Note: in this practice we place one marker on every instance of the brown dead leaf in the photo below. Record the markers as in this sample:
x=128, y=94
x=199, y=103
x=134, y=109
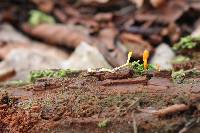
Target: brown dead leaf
x=107, y=36
x=30, y=56
x=135, y=43
x=5, y=49
x=58, y=34
x=172, y=11
x=157, y=3
x=173, y=31
x=103, y=17
x=71, y=12
x=115, y=58
x=70, y=15
x=139, y=3
x=86, y=22
x=60, y=15
x=154, y=3
x=94, y=1
x=195, y=5
x=6, y=73
x=44, y=5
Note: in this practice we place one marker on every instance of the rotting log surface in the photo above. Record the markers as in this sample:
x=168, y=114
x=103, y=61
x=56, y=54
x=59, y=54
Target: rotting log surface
x=81, y=103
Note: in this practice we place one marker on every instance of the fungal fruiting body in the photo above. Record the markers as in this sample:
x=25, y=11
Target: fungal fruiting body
x=157, y=67
x=129, y=57
x=145, y=58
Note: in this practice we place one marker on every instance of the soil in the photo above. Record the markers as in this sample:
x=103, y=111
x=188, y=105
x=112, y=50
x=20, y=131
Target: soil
x=101, y=102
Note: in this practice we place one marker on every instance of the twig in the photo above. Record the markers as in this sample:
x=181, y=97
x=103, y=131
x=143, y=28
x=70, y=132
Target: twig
x=139, y=80
x=171, y=109
x=189, y=125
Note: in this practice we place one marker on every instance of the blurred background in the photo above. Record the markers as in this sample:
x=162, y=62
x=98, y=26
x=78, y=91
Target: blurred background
x=81, y=34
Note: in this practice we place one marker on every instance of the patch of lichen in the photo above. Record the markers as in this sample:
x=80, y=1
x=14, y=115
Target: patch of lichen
x=50, y=73
x=178, y=76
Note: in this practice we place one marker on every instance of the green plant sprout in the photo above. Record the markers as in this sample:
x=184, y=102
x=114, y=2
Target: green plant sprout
x=187, y=42
x=37, y=17
x=50, y=73
x=104, y=123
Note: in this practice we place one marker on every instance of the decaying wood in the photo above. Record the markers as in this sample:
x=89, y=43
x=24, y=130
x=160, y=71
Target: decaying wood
x=83, y=101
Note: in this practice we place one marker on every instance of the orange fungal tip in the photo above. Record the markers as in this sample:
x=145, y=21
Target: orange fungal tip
x=145, y=55
x=145, y=58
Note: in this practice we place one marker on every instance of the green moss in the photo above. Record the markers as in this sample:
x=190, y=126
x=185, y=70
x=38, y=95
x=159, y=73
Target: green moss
x=139, y=68
x=50, y=73
x=187, y=42
x=104, y=123
x=37, y=17
x=178, y=76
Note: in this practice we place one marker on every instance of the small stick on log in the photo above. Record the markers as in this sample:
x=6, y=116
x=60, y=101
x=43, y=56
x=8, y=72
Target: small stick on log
x=139, y=80
x=171, y=109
